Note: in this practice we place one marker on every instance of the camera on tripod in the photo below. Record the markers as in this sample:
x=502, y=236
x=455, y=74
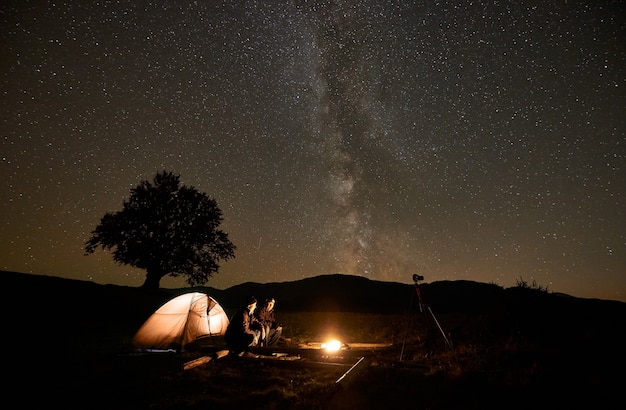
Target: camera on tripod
x=423, y=306
x=417, y=278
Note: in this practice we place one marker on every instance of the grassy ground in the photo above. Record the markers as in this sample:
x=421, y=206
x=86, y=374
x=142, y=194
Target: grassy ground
x=514, y=374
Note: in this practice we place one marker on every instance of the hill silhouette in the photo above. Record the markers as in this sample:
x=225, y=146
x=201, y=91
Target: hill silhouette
x=330, y=293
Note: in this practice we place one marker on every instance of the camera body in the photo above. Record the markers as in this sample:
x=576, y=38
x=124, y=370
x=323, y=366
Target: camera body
x=417, y=278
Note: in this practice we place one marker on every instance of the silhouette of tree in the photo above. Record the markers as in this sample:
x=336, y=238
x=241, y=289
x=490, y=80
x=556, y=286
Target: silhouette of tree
x=166, y=229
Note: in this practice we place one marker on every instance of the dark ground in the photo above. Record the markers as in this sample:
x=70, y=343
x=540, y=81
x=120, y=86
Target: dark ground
x=67, y=345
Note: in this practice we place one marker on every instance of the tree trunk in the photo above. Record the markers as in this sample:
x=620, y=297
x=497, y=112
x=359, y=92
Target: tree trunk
x=153, y=280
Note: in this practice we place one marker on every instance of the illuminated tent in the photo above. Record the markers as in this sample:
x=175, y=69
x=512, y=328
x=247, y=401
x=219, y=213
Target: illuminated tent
x=181, y=321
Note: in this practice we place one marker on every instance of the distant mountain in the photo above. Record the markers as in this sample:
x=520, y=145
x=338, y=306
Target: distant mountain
x=327, y=293
x=334, y=292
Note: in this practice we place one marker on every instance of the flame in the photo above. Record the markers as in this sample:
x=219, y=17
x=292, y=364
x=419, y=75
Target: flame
x=332, y=346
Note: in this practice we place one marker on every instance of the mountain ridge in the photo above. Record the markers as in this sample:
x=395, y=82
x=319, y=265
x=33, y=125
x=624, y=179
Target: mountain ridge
x=341, y=292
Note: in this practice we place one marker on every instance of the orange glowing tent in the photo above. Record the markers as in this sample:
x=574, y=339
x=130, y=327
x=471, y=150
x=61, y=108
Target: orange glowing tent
x=181, y=321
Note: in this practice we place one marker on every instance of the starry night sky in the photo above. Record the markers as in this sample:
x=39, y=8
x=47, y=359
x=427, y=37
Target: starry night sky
x=479, y=140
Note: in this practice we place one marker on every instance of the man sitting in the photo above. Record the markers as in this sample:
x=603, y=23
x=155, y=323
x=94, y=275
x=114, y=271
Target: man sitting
x=272, y=329
x=244, y=330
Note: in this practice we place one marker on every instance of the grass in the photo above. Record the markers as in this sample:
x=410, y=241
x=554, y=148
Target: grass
x=471, y=375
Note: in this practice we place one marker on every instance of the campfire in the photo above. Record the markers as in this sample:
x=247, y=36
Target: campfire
x=332, y=346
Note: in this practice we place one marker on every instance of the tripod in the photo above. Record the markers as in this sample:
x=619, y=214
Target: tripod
x=423, y=306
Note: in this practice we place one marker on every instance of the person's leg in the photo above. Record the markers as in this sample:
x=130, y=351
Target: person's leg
x=266, y=335
x=254, y=339
x=274, y=335
x=237, y=345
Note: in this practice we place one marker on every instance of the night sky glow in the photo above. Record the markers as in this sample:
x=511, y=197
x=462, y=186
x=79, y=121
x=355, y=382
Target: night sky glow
x=478, y=140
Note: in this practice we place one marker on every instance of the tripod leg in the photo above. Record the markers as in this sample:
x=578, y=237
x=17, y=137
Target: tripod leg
x=440, y=329
x=419, y=297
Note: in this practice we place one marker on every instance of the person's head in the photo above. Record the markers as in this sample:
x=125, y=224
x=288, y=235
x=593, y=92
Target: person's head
x=251, y=303
x=270, y=302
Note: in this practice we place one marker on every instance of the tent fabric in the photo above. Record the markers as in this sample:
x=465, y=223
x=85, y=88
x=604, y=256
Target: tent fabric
x=180, y=321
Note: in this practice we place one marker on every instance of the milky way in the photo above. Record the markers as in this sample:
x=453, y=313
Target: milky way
x=458, y=140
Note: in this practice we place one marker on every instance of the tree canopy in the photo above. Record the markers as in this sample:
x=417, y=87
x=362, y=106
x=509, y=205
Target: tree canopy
x=166, y=229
